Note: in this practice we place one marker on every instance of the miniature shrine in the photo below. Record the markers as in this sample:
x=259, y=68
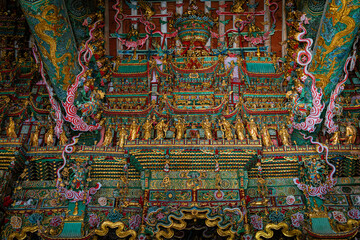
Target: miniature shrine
x=199, y=119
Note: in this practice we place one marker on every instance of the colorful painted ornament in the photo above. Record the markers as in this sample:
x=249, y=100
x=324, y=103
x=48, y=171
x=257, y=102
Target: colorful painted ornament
x=339, y=216
x=102, y=201
x=16, y=222
x=290, y=200
x=354, y=213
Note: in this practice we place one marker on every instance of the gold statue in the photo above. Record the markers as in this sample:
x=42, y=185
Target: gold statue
x=239, y=128
x=252, y=128
x=206, y=125
x=226, y=128
x=161, y=129
x=122, y=136
x=108, y=136
x=266, y=138
x=133, y=131
x=237, y=8
x=34, y=137
x=350, y=133
x=335, y=139
x=180, y=127
x=10, y=131
x=147, y=126
x=284, y=136
x=49, y=136
x=63, y=139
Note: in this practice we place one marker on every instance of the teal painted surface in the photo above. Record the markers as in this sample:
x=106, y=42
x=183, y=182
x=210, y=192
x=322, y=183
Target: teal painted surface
x=49, y=23
x=321, y=225
x=71, y=230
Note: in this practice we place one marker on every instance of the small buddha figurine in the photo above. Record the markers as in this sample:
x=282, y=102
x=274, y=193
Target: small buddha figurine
x=335, y=139
x=122, y=137
x=133, y=130
x=266, y=138
x=161, y=129
x=10, y=131
x=34, y=137
x=63, y=139
x=284, y=136
x=49, y=136
x=108, y=136
x=239, y=128
x=350, y=133
x=252, y=129
x=206, y=125
x=226, y=128
x=180, y=127
x=147, y=126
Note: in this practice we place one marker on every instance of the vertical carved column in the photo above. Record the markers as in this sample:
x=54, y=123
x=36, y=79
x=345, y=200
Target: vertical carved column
x=338, y=31
x=52, y=32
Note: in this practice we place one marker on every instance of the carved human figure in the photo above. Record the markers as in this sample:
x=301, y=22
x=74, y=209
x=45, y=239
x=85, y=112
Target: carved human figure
x=63, y=139
x=350, y=133
x=206, y=125
x=10, y=131
x=226, y=128
x=34, y=137
x=239, y=128
x=252, y=129
x=133, y=130
x=122, y=136
x=284, y=136
x=180, y=127
x=147, y=126
x=266, y=138
x=161, y=129
x=49, y=136
x=335, y=139
x=108, y=136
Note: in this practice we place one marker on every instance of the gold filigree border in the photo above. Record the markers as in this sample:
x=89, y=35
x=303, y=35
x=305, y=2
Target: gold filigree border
x=180, y=224
x=269, y=231
x=22, y=235
x=104, y=229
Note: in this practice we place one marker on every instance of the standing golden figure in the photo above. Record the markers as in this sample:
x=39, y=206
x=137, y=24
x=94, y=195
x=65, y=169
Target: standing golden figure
x=161, y=129
x=122, y=137
x=49, y=136
x=134, y=130
x=335, y=139
x=252, y=128
x=10, y=131
x=147, y=126
x=239, y=128
x=284, y=136
x=108, y=136
x=34, y=137
x=63, y=139
x=226, y=128
x=350, y=133
x=180, y=127
x=266, y=138
x=206, y=125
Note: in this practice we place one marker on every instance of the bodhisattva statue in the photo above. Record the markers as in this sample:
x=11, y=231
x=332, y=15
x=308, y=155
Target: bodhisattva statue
x=266, y=138
x=108, y=136
x=180, y=127
x=335, y=139
x=147, y=126
x=34, y=137
x=10, y=131
x=252, y=129
x=350, y=133
x=49, y=136
x=161, y=129
x=122, y=136
x=63, y=139
x=284, y=136
x=239, y=129
x=133, y=130
x=226, y=128
x=206, y=125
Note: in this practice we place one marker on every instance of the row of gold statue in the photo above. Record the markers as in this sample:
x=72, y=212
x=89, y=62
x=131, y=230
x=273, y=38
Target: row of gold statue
x=226, y=127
